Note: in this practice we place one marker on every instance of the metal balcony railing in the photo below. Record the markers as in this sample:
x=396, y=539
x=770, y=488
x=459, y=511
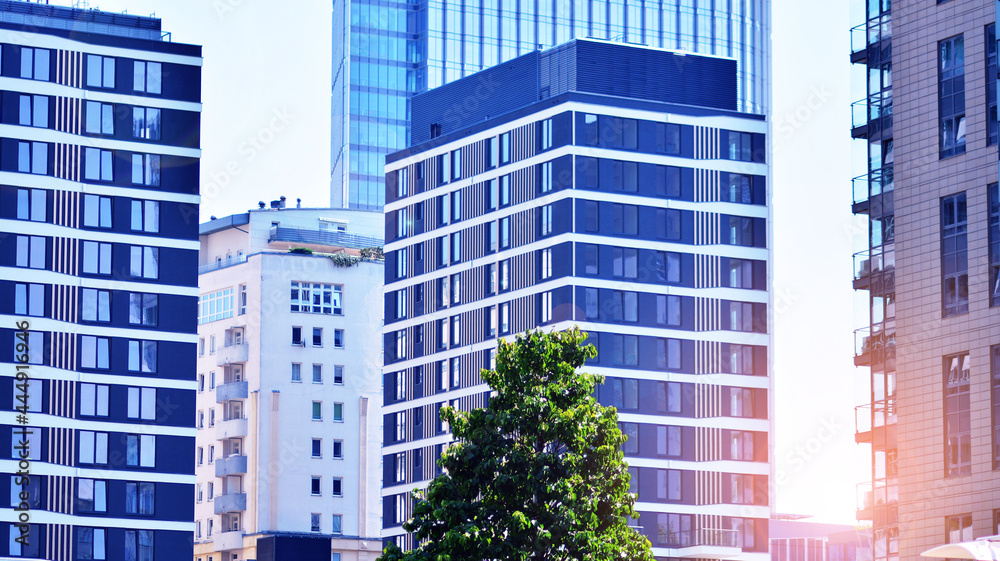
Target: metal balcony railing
x=323, y=237
x=865, y=342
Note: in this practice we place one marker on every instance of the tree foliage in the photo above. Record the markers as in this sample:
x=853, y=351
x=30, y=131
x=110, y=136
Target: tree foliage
x=537, y=474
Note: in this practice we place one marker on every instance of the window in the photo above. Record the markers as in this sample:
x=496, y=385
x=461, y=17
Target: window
x=338, y=338
x=505, y=190
x=243, y=300
x=592, y=216
x=740, y=231
x=740, y=359
x=954, y=255
x=100, y=71
x=668, y=484
x=139, y=544
x=741, y=316
x=951, y=95
x=401, y=344
x=314, y=522
x=546, y=220
x=338, y=412
x=93, y=400
x=505, y=148
x=668, y=223
x=668, y=310
x=297, y=336
x=958, y=528
x=146, y=169
x=743, y=531
x=317, y=410
x=338, y=449
x=93, y=447
x=545, y=177
x=142, y=356
x=741, y=445
x=991, y=84
x=29, y=299
x=740, y=146
x=668, y=138
x=35, y=64
x=215, y=306
x=317, y=339
x=95, y=305
x=456, y=372
x=296, y=372
x=456, y=331
x=100, y=118
x=146, y=123
x=146, y=77
x=31, y=204
x=140, y=498
x=631, y=431
x=143, y=309
x=91, y=495
x=545, y=134
x=317, y=298
x=994, y=241
x=625, y=262
x=142, y=404
x=668, y=440
x=96, y=211
x=140, y=450
x=739, y=189
x=98, y=164
x=337, y=527
x=90, y=543
x=338, y=487
x=146, y=216
x=456, y=289
x=97, y=258
x=145, y=263
x=400, y=434
x=504, y=275
x=622, y=394
x=401, y=268
x=668, y=354
x=545, y=306
x=33, y=157
x=34, y=111
x=741, y=402
x=957, y=416
x=316, y=488
x=456, y=165
x=625, y=350
x=545, y=264
x=94, y=352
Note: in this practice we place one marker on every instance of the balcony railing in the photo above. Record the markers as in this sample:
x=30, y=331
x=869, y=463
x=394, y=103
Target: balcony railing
x=234, y=428
x=877, y=347
x=225, y=541
x=230, y=502
x=232, y=354
x=323, y=237
x=233, y=465
x=232, y=390
x=869, y=185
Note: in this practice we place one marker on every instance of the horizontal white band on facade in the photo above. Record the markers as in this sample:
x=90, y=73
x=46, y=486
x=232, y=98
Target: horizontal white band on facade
x=730, y=166
x=722, y=466
x=737, y=337
x=27, y=227
x=719, y=121
x=57, y=184
x=89, y=472
x=41, y=39
x=57, y=326
x=39, y=372
x=38, y=134
x=395, y=448
x=741, y=511
x=49, y=517
x=42, y=276
x=38, y=87
x=717, y=292
x=42, y=420
x=732, y=251
x=717, y=379
x=444, y=397
x=724, y=423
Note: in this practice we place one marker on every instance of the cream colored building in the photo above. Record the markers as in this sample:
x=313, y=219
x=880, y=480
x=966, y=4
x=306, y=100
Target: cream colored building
x=289, y=358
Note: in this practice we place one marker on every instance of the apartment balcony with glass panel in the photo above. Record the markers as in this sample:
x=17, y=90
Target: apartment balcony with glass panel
x=874, y=348
x=710, y=543
x=875, y=269
x=871, y=117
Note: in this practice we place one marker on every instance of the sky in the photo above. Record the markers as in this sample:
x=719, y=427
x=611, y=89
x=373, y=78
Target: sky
x=266, y=133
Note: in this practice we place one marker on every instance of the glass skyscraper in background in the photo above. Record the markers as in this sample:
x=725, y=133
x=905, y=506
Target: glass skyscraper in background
x=384, y=52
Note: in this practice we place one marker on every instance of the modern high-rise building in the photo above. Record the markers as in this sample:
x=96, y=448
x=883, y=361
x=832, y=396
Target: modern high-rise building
x=384, y=54
x=930, y=272
x=289, y=439
x=99, y=165
x=636, y=208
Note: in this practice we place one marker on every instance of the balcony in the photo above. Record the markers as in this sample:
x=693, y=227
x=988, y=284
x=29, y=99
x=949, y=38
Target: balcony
x=875, y=270
x=230, y=502
x=861, y=191
x=859, y=43
x=232, y=354
x=865, y=493
x=323, y=238
x=874, y=348
x=710, y=543
x=232, y=390
x=225, y=541
x=233, y=465
x=871, y=117
x=233, y=428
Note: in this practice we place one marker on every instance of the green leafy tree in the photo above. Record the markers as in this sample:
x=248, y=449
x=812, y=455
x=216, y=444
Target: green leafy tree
x=537, y=474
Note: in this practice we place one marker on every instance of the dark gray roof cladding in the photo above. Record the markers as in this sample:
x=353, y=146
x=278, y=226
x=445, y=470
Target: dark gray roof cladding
x=223, y=223
x=581, y=65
